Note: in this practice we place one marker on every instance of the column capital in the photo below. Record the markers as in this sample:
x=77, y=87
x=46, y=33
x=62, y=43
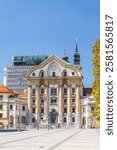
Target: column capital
x=60, y=83
x=37, y=85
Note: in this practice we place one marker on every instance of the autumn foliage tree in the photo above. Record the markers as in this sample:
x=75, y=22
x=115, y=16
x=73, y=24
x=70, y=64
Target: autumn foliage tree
x=96, y=74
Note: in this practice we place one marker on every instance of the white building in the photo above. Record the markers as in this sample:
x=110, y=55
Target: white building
x=54, y=90
x=87, y=119
x=13, y=109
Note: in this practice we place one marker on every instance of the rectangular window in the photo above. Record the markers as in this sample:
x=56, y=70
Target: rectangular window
x=42, y=101
x=23, y=107
x=65, y=101
x=11, y=107
x=1, y=97
x=73, y=101
x=42, y=91
x=42, y=110
x=73, y=110
x=53, y=91
x=1, y=107
x=65, y=110
x=33, y=92
x=53, y=101
x=65, y=91
x=73, y=91
x=33, y=101
x=0, y=115
x=33, y=110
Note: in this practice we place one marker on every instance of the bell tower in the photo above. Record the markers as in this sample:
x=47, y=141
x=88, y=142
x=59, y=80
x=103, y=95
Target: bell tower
x=77, y=58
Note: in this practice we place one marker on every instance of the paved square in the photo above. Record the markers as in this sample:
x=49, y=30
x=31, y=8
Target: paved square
x=54, y=139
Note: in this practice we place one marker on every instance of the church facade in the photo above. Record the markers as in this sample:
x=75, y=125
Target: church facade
x=54, y=92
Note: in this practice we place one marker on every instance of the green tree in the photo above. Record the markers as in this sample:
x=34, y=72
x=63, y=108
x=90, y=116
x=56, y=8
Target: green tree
x=96, y=74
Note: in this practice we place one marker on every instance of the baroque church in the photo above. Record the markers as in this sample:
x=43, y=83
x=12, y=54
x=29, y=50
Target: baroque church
x=55, y=89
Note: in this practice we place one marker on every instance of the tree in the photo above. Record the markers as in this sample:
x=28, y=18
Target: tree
x=96, y=74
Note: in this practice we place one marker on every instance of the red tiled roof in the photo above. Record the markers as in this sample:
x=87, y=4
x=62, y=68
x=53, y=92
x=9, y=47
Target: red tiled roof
x=87, y=91
x=25, y=94
x=4, y=89
x=15, y=92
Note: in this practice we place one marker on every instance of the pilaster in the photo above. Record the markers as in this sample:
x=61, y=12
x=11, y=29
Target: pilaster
x=46, y=103
x=78, y=122
x=69, y=116
x=29, y=104
x=38, y=103
x=60, y=103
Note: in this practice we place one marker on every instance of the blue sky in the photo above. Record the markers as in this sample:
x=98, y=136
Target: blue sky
x=29, y=27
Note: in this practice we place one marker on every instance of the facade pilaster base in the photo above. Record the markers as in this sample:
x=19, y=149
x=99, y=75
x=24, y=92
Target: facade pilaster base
x=69, y=119
x=38, y=119
x=45, y=119
x=78, y=122
x=60, y=118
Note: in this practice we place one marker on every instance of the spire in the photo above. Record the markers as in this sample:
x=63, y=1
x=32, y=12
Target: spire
x=76, y=48
x=76, y=56
x=65, y=57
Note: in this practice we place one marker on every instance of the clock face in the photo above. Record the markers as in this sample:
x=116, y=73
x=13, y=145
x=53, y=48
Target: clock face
x=53, y=67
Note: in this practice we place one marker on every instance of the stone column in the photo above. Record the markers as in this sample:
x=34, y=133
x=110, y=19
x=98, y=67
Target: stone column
x=29, y=104
x=78, y=118
x=46, y=103
x=86, y=126
x=14, y=117
x=60, y=103
x=38, y=104
x=69, y=116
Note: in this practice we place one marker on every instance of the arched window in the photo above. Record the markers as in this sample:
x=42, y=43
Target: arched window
x=33, y=119
x=84, y=121
x=41, y=74
x=73, y=119
x=65, y=119
x=11, y=120
x=53, y=74
x=65, y=74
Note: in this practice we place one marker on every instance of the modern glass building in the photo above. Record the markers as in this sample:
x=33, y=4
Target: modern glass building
x=14, y=76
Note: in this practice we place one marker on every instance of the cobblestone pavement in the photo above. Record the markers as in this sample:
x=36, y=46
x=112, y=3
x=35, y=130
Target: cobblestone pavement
x=54, y=139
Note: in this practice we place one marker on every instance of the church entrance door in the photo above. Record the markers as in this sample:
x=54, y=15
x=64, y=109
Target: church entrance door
x=53, y=116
